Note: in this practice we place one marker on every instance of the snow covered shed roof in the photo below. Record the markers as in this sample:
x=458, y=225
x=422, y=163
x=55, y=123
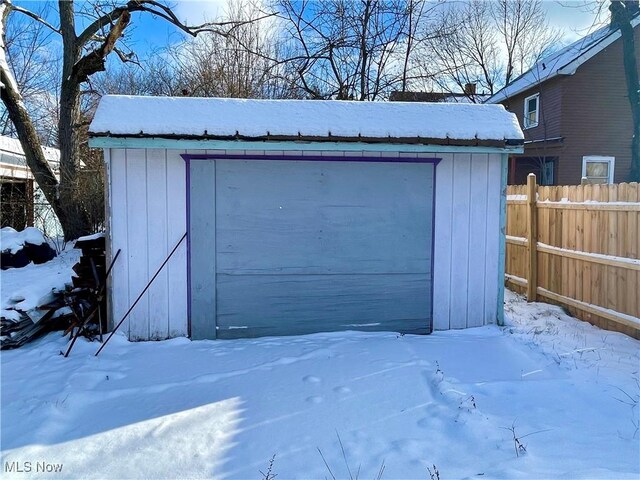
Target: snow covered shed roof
x=563, y=62
x=308, y=120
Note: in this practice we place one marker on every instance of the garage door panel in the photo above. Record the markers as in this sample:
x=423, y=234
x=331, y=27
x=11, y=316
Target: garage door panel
x=257, y=305
x=323, y=217
x=295, y=247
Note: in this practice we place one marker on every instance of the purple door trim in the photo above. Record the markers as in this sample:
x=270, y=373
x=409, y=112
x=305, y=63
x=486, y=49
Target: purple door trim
x=307, y=158
x=188, y=157
x=187, y=162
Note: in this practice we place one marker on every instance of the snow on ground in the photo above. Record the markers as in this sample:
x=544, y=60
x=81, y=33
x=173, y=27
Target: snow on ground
x=11, y=240
x=32, y=285
x=223, y=409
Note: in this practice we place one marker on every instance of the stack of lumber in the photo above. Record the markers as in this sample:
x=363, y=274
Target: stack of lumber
x=68, y=310
x=15, y=333
x=88, y=282
x=92, y=266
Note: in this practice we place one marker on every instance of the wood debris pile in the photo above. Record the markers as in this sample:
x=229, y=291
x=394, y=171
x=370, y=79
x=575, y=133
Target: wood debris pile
x=80, y=309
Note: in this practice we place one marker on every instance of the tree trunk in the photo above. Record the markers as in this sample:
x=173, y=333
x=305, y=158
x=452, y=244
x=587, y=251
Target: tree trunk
x=76, y=222
x=364, y=52
x=621, y=17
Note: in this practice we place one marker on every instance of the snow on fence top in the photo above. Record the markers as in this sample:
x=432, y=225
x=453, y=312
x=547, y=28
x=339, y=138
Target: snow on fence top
x=185, y=117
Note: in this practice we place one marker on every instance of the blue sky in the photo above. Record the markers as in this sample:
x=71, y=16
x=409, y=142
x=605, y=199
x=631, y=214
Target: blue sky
x=149, y=33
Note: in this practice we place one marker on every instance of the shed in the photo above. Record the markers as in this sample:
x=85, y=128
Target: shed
x=304, y=216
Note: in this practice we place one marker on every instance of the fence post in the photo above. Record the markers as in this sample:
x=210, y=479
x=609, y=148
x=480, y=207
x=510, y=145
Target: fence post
x=532, y=237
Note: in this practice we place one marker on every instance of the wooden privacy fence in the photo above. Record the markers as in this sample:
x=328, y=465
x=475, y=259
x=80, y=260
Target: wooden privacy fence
x=587, y=255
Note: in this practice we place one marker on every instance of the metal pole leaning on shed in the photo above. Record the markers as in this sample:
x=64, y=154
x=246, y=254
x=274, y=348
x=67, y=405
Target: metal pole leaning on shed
x=141, y=294
x=532, y=237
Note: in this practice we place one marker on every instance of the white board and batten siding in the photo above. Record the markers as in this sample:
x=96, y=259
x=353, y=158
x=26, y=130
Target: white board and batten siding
x=147, y=203
x=147, y=206
x=467, y=240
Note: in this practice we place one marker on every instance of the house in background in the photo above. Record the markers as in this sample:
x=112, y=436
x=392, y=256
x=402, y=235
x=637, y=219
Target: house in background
x=574, y=110
x=469, y=95
x=22, y=203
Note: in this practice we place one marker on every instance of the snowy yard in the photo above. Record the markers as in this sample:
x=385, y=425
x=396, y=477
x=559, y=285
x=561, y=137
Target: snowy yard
x=181, y=409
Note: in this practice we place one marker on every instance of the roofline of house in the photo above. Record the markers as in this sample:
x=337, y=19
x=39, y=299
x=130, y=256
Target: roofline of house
x=569, y=68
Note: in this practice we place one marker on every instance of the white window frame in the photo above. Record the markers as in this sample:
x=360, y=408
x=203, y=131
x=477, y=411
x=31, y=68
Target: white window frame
x=526, y=123
x=599, y=158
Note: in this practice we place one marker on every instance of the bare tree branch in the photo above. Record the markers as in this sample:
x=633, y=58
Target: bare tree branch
x=33, y=15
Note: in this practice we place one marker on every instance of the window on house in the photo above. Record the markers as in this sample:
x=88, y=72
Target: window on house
x=597, y=169
x=531, y=110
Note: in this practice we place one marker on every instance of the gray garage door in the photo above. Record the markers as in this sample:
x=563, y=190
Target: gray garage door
x=295, y=247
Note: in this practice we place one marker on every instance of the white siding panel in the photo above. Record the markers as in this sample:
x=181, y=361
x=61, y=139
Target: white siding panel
x=147, y=191
x=107, y=215
x=138, y=252
x=460, y=235
x=157, y=243
x=177, y=226
x=466, y=240
x=442, y=245
x=494, y=190
x=478, y=213
x=119, y=279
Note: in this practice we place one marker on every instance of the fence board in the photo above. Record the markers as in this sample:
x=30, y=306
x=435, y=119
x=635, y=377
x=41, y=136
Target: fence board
x=633, y=248
x=578, y=244
x=572, y=222
x=586, y=246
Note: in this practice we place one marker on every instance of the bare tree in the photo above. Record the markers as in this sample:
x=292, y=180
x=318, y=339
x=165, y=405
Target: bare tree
x=83, y=55
x=35, y=68
x=621, y=14
x=490, y=43
x=343, y=50
x=154, y=75
x=468, y=51
x=246, y=64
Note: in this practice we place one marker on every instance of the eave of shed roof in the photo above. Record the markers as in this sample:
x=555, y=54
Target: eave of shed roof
x=297, y=120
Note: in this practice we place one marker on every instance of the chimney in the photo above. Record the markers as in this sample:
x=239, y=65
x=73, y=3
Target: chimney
x=470, y=89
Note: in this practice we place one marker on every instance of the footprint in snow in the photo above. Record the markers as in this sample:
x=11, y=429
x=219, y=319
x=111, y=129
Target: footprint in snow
x=342, y=389
x=311, y=379
x=315, y=399
x=424, y=422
